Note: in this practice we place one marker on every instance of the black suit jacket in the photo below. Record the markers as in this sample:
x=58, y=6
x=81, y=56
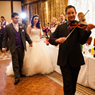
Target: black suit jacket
x=10, y=35
x=70, y=49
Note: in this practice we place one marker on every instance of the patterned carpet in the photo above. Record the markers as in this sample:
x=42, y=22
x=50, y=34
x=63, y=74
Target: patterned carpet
x=4, y=56
x=81, y=90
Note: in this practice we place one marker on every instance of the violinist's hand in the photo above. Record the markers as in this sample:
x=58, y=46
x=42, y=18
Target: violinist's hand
x=90, y=26
x=60, y=40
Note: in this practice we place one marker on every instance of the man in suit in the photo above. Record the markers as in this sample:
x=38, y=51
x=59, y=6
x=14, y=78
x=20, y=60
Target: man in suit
x=70, y=57
x=62, y=17
x=17, y=35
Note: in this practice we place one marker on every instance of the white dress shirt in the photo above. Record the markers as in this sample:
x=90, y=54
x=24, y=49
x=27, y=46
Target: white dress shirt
x=3, y=23
x=15, y=26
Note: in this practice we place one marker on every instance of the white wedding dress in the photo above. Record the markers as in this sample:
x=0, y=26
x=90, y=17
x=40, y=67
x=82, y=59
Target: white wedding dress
x=36, y=59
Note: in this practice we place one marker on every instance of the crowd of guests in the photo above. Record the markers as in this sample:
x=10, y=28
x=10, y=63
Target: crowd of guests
x=55, y=23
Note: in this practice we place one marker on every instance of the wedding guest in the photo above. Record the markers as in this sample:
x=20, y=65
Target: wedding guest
x=3, y=24
x=80, y=15
x=70, y=57
x=17, y=35
x=62, y=18
x=53, y=24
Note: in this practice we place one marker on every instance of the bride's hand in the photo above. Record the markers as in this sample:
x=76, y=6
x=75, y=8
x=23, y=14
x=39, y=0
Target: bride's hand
x=30, y=45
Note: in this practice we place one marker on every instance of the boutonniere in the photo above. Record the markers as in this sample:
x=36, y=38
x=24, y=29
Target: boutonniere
x=20, y=27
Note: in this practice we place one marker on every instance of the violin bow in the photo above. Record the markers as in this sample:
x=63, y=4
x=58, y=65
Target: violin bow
x=76, y=25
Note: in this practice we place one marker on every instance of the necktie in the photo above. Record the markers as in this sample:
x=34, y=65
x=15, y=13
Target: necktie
x=15, y=26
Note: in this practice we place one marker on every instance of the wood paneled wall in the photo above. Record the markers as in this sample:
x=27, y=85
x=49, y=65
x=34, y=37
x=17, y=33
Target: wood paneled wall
x=7, y=7
x=46, y=9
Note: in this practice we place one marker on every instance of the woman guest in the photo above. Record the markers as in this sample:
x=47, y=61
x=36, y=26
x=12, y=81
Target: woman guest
x=53, y=24
x=80, y=15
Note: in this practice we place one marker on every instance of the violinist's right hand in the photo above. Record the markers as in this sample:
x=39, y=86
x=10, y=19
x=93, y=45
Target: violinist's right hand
x=60, y=40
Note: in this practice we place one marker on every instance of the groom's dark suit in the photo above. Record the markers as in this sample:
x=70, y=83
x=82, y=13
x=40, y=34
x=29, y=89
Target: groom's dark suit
x=70, y=57
x=17, y=45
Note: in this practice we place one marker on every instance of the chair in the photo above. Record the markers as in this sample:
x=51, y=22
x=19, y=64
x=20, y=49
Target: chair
x=89, y=41
x=94, y=42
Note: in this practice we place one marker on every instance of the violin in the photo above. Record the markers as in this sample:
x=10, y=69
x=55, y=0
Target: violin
x=75, y=23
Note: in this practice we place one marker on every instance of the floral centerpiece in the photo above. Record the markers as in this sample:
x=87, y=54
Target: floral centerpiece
x=46, y=31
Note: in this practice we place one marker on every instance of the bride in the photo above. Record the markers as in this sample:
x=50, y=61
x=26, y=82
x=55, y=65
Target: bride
x=37, y=58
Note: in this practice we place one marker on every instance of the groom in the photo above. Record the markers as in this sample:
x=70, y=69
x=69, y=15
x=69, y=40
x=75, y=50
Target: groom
x=17, y=36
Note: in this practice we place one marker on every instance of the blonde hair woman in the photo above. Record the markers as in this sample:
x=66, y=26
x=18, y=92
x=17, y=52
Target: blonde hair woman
x=80, y=15
x=53, y=24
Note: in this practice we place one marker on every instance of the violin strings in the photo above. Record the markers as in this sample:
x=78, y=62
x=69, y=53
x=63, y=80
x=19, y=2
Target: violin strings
x=76, y=25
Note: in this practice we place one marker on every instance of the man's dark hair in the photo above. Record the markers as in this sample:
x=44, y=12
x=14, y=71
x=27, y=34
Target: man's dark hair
x=14, y=14
x=70, y=6
x=2, y=16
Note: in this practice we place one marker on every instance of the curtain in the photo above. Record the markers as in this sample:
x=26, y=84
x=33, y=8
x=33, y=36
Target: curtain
x=83, y=6
x=26, y=10
x=46, y=9
x=56, y=8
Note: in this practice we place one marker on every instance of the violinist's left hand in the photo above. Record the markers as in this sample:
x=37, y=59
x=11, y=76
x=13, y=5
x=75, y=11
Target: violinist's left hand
x=90, y=26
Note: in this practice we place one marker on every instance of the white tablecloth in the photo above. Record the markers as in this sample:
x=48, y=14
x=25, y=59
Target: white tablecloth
x=91, y=72
x=87, y=73
x=54, y=55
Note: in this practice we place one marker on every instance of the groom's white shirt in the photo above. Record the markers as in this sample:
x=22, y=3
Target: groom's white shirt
x=15, y=26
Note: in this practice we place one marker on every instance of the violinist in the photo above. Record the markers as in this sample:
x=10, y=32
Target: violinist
x=70, y=57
